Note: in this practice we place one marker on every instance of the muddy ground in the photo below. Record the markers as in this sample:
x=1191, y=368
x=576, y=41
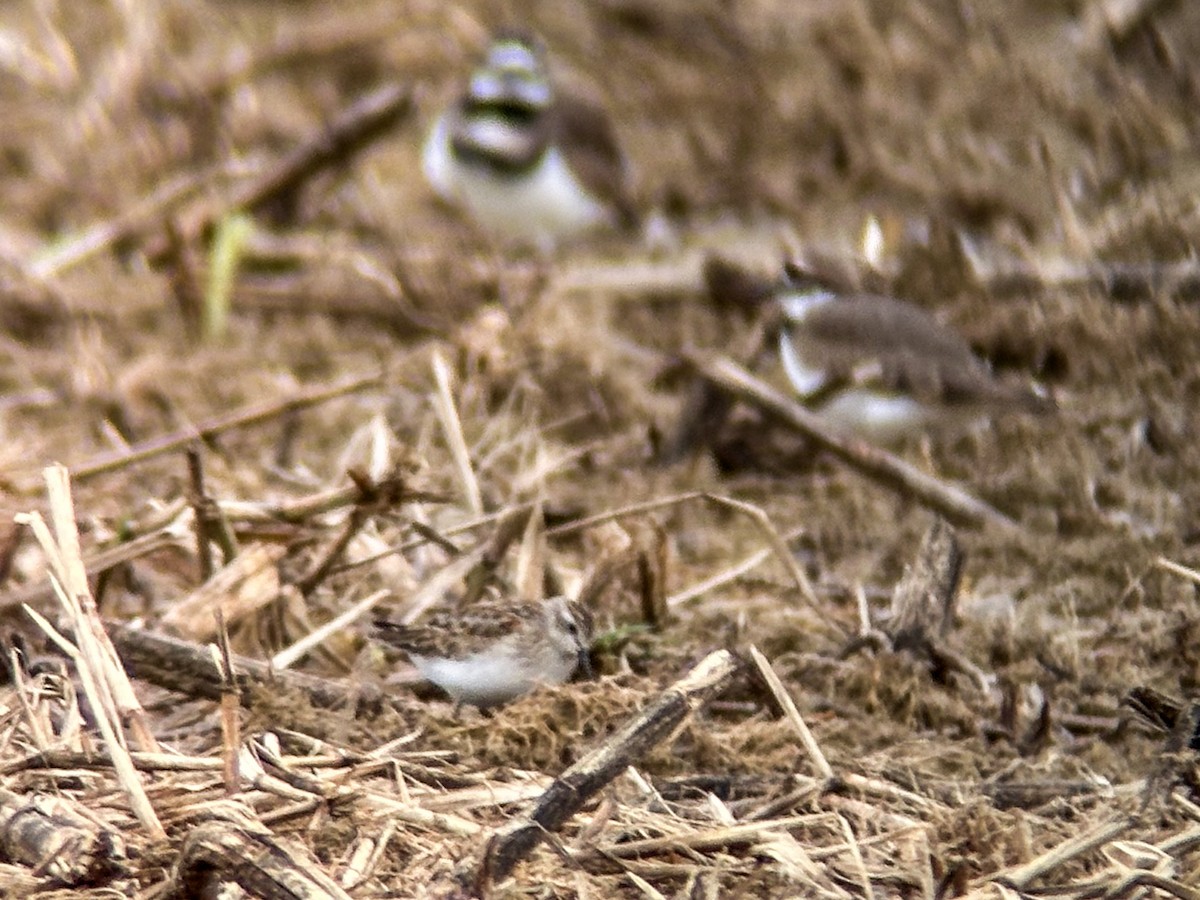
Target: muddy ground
x=1057, y=140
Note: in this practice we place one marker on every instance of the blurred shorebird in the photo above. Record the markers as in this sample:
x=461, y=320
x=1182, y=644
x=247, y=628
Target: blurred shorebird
x=495, y=652
x=531, y=164
x=872, y=365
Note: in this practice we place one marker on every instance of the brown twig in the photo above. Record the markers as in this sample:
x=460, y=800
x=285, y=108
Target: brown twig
x=373, y=499
x=190, y=669
x=1020, y=877
x=245, y=853
x=878, y=465
x=356, y=127
x=207, y=431
x=206, y=513
x=571, y=790
x=48, y=834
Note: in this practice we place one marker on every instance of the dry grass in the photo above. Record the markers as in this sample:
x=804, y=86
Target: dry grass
x=463, y=388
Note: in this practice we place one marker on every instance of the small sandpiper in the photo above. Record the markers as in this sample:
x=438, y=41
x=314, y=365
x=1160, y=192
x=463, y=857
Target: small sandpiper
x=871, y=365
x=532, y=165
x=495, y=652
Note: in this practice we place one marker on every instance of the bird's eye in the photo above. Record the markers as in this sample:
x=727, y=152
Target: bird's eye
x=572, y=628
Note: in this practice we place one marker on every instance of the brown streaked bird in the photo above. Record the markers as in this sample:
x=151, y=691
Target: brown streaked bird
x=495, y=652
x=871, y=365
x=530, y=163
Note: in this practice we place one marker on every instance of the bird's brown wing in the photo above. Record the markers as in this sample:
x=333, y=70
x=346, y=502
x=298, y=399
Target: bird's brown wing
x=452, y=634
x=860, y=328
x=902, y=348
x=584, y=131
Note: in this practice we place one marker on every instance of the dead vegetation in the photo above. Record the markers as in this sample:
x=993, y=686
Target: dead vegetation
x=801, y=691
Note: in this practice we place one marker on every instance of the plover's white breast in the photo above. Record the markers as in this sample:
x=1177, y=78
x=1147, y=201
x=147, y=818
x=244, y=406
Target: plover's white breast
x=806, y=377
x=544, y=205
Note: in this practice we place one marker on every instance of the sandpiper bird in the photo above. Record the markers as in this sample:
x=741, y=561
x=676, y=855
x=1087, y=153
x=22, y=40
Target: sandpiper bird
x=531, y=164
x=871, y=365
x=494, y=652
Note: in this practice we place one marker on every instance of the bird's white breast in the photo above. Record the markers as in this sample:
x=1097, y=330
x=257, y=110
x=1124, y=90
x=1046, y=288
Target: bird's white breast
x=542, y=206
x=483, y=679
x=806, y=377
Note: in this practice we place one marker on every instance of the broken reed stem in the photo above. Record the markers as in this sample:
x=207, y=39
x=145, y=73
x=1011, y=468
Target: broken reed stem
x=1019, y=877
x=231, y=736
x=447, y=413
x=788, y=708
x=878, y=465
x=123, y=767
x=90, y=635
x=288, y=657
x=582, y=780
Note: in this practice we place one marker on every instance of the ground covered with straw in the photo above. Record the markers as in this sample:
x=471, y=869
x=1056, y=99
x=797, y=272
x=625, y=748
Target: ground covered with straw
x=289, y=392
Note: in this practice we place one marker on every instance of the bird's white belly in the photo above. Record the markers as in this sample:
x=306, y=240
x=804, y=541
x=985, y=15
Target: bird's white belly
x=880, y=418
x=542, y=206
x=494, y=676
x=485, y=679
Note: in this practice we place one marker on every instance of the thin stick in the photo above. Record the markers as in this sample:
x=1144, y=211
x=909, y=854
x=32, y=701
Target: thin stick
x=420, y=541
x=713, y=838
x=722, y=578
x=620, y=512
x=202, y=512
x=287, y=657
x=784, y=699
x=878, y=465
x=856, y=854
x=1020, y=877
x=1176, y=569
x=231, y=736
x=763, y=521
x=447, y=413
x=207, y=431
